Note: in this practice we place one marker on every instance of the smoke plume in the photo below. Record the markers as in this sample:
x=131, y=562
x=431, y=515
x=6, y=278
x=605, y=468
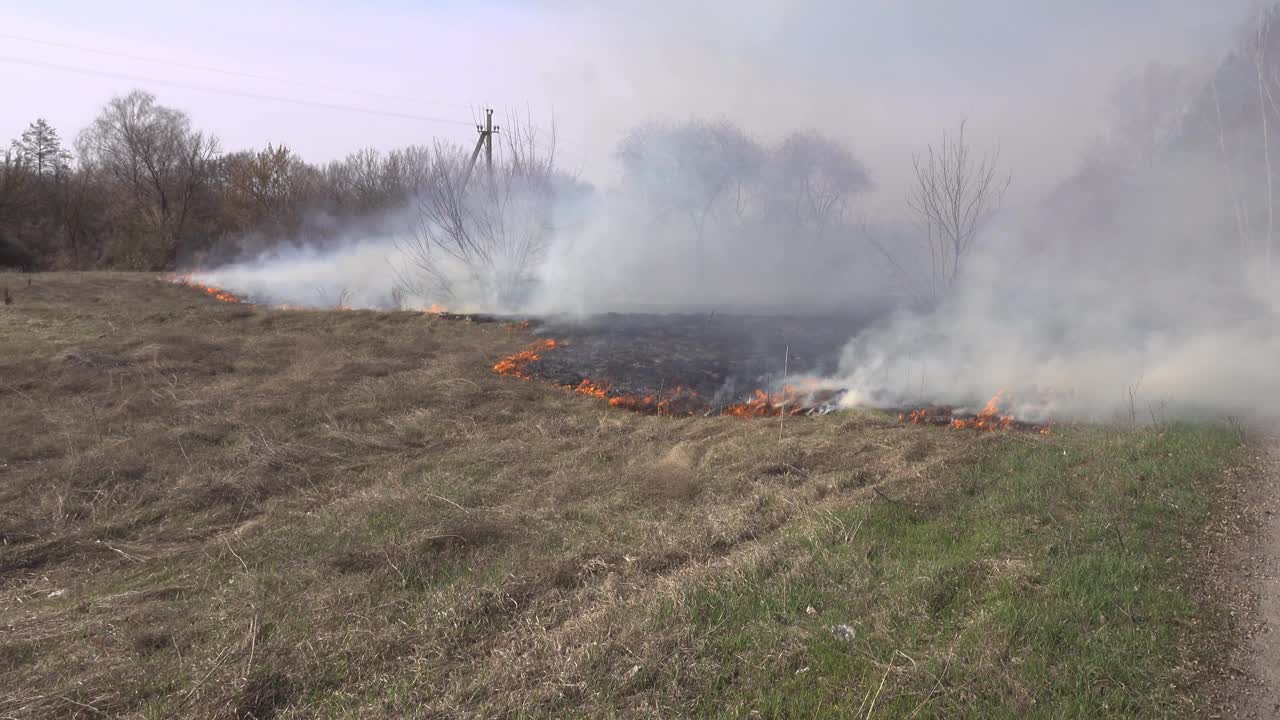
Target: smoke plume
x=1130, y=272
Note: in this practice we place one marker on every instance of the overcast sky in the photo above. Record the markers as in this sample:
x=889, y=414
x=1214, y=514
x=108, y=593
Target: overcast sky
x=884, y=75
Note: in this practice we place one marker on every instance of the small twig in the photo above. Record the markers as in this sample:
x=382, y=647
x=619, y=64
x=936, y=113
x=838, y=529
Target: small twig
x=865, y=696
x=453, y=380
x=253, y=645
x=184, y=453
x=1119, y=538
x=805, y=473
x=404, y=582
x=87, y=707
x=877, y=696
x=849, y=537
x=445, y=499
x=234, y=554
x=442, y=537
x=886, y=498
x=125, y=555
x=217, y=663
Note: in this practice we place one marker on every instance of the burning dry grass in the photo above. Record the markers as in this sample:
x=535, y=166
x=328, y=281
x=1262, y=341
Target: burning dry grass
x=677, y=400
x=988, y=419
x=213, y=510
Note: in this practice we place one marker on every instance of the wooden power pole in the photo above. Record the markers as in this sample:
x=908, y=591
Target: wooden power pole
x=485, y=141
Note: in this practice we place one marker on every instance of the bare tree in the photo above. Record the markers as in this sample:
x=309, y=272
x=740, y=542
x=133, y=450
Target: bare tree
x=810, y=182
x=954, y=195
x=155, y=161
x=479, y=241
x=689, y=170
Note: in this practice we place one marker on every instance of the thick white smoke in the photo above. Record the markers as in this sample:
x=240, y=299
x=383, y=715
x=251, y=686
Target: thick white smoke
x=1098, y=352
x=1126, y=277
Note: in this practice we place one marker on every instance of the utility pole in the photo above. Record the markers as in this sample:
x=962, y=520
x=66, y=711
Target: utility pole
x=489, y=130
x=485, y=140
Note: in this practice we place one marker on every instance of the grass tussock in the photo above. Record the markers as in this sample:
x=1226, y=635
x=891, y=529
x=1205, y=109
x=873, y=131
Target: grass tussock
x=213, y=510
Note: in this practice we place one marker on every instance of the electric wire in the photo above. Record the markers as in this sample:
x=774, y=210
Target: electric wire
x=228, y=91
x=222, y=71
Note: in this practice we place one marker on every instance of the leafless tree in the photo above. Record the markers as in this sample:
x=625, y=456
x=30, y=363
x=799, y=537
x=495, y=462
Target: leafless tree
x=152, y=155
x=690, y=170
x=479, y=241
x=810, y=183
x=954, y=195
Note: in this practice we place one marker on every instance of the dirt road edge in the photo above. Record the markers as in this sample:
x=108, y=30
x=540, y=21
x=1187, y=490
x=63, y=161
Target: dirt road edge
x=1244, y=579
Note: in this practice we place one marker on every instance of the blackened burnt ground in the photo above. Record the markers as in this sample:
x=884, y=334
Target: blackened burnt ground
x=721, y=358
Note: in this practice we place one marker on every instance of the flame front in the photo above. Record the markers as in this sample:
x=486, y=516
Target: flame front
x=662, y=404
x=763, y=404
x=591, y=389
x=216, y=293
x=514, y=365
x=517, y=366
x=988, y=418
x=219, y=294
x=790, y=401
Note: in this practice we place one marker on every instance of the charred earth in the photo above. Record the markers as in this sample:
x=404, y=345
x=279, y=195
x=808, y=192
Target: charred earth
x=689, y=364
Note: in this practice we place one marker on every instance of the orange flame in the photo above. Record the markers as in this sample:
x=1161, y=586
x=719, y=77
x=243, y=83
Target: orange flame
x=658, y=404
x=587, y=387
x=216, y=293
x=514, y=365
x=989, y=418
x=763, y=404
x=916, y=417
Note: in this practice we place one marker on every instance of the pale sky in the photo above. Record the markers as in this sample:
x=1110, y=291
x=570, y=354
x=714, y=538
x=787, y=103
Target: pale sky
x=884, y=75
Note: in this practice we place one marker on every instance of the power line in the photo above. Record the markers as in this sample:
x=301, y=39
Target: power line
x=225, y=91
x=232, y=73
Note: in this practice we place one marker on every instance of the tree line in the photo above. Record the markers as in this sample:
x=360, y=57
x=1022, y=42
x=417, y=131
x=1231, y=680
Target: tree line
x=141, y=189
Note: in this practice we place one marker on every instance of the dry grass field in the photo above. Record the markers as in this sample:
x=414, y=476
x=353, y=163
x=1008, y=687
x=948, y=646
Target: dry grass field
x=214, y=510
